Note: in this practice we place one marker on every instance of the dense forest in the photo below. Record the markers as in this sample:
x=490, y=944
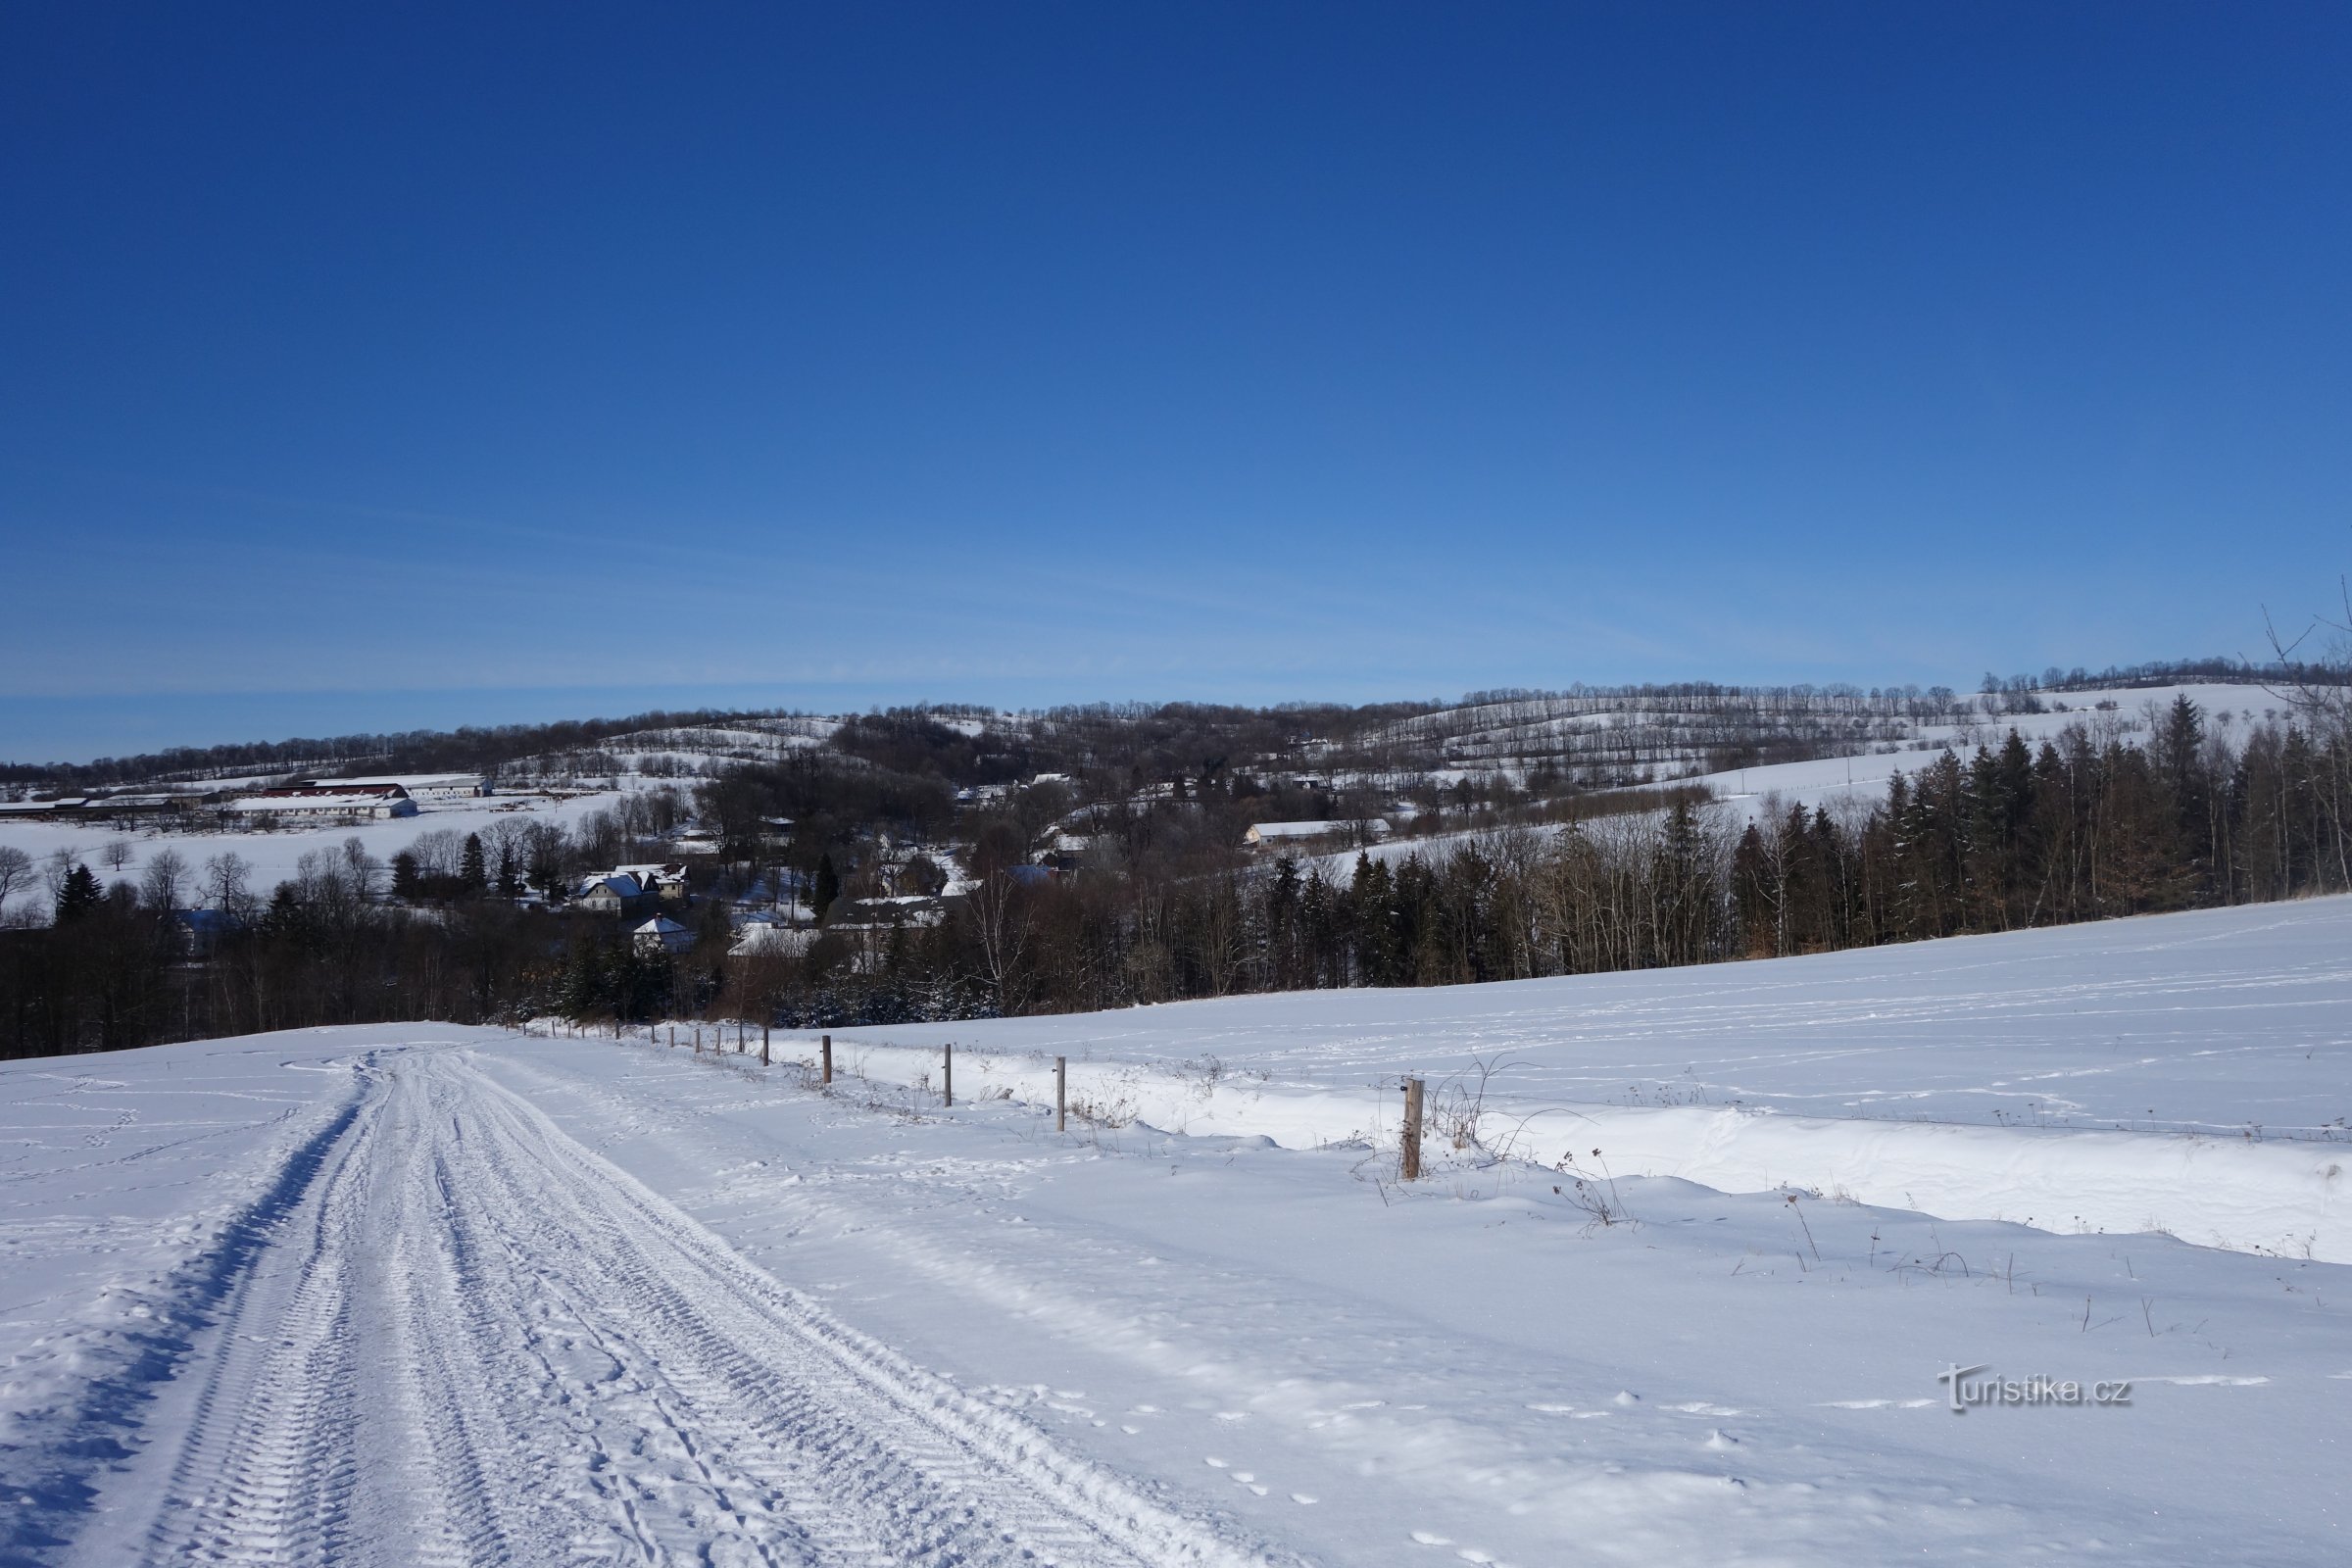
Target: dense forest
x=1492, y=882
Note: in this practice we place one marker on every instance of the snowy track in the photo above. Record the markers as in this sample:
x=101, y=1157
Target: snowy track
x=470, y=1339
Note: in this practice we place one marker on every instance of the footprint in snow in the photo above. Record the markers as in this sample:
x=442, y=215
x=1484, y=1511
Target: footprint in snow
x=1214, y=1463
x=1303, y=1501
x=1430, y=1537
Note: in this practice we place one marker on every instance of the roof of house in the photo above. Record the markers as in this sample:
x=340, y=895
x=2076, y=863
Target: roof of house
x=660, y=925
x=623, y=885
x=758, y=941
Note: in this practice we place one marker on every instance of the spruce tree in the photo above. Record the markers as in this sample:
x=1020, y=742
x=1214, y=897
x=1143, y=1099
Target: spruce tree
x=472, y=868
x=78, y=895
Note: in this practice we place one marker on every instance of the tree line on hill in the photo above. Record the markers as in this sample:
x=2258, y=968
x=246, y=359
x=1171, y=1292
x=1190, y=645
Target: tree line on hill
x=2084, y=826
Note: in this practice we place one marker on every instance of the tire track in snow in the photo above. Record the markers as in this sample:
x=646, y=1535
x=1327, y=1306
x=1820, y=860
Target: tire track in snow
x=474, y=1340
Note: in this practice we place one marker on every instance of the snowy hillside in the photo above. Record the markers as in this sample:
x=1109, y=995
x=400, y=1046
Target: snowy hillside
x=1862, y=778
x=424, y=1294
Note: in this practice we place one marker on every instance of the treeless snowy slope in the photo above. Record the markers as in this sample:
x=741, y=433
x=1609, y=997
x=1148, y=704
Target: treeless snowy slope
x=2187, y=1073
x=2216, y=1021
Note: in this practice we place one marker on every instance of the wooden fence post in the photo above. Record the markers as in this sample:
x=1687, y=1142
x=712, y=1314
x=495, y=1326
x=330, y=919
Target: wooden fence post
x=1062, y=1092
x=764, y=1045
x=698, y=1039
x=1412, y=1129
x=828, y=1068
x=674, y=1037
x=946, y=1073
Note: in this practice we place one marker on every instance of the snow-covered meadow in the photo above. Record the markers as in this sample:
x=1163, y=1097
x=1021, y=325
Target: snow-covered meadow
x=2232, y=709
x=418, y=1292
x=272, y=856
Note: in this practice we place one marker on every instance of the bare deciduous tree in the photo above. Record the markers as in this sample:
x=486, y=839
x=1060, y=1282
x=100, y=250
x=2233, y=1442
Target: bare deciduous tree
x=362, y=869
x=226, y=883
x=2320, y=693
x=118, y=854
x=57, y=867
x=160, y=880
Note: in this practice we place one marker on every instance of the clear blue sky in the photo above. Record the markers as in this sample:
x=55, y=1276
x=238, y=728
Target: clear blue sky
x=416, y=365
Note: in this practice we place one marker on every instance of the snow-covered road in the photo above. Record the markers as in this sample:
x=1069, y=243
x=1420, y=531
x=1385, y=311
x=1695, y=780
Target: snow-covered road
x=461, y=1338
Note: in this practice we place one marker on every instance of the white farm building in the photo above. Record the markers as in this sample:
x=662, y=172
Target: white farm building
x=330, y=803
x=421, y=786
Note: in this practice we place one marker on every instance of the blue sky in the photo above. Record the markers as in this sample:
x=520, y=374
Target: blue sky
x=383, y=367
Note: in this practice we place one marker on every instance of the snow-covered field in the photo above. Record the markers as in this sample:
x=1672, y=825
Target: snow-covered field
x=274, y=857
x=1826, y=782
x=430, y=1295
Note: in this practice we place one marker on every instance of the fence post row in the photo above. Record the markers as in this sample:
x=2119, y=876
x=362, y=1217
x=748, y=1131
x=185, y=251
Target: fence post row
x=1411, y=1167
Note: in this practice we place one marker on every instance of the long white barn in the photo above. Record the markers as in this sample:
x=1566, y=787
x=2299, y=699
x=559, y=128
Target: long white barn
x=421, y=786
x=333, y=801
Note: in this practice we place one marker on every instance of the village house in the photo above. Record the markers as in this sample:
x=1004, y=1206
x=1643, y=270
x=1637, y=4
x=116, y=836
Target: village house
x=614, y=893
x=630, y=890
x=661, y=935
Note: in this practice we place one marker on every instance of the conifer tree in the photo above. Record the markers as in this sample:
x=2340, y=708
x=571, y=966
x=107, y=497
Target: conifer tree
x=78, y=895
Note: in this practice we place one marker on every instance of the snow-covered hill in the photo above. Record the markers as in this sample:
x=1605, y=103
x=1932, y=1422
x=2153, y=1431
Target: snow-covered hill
x=422, y=1294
